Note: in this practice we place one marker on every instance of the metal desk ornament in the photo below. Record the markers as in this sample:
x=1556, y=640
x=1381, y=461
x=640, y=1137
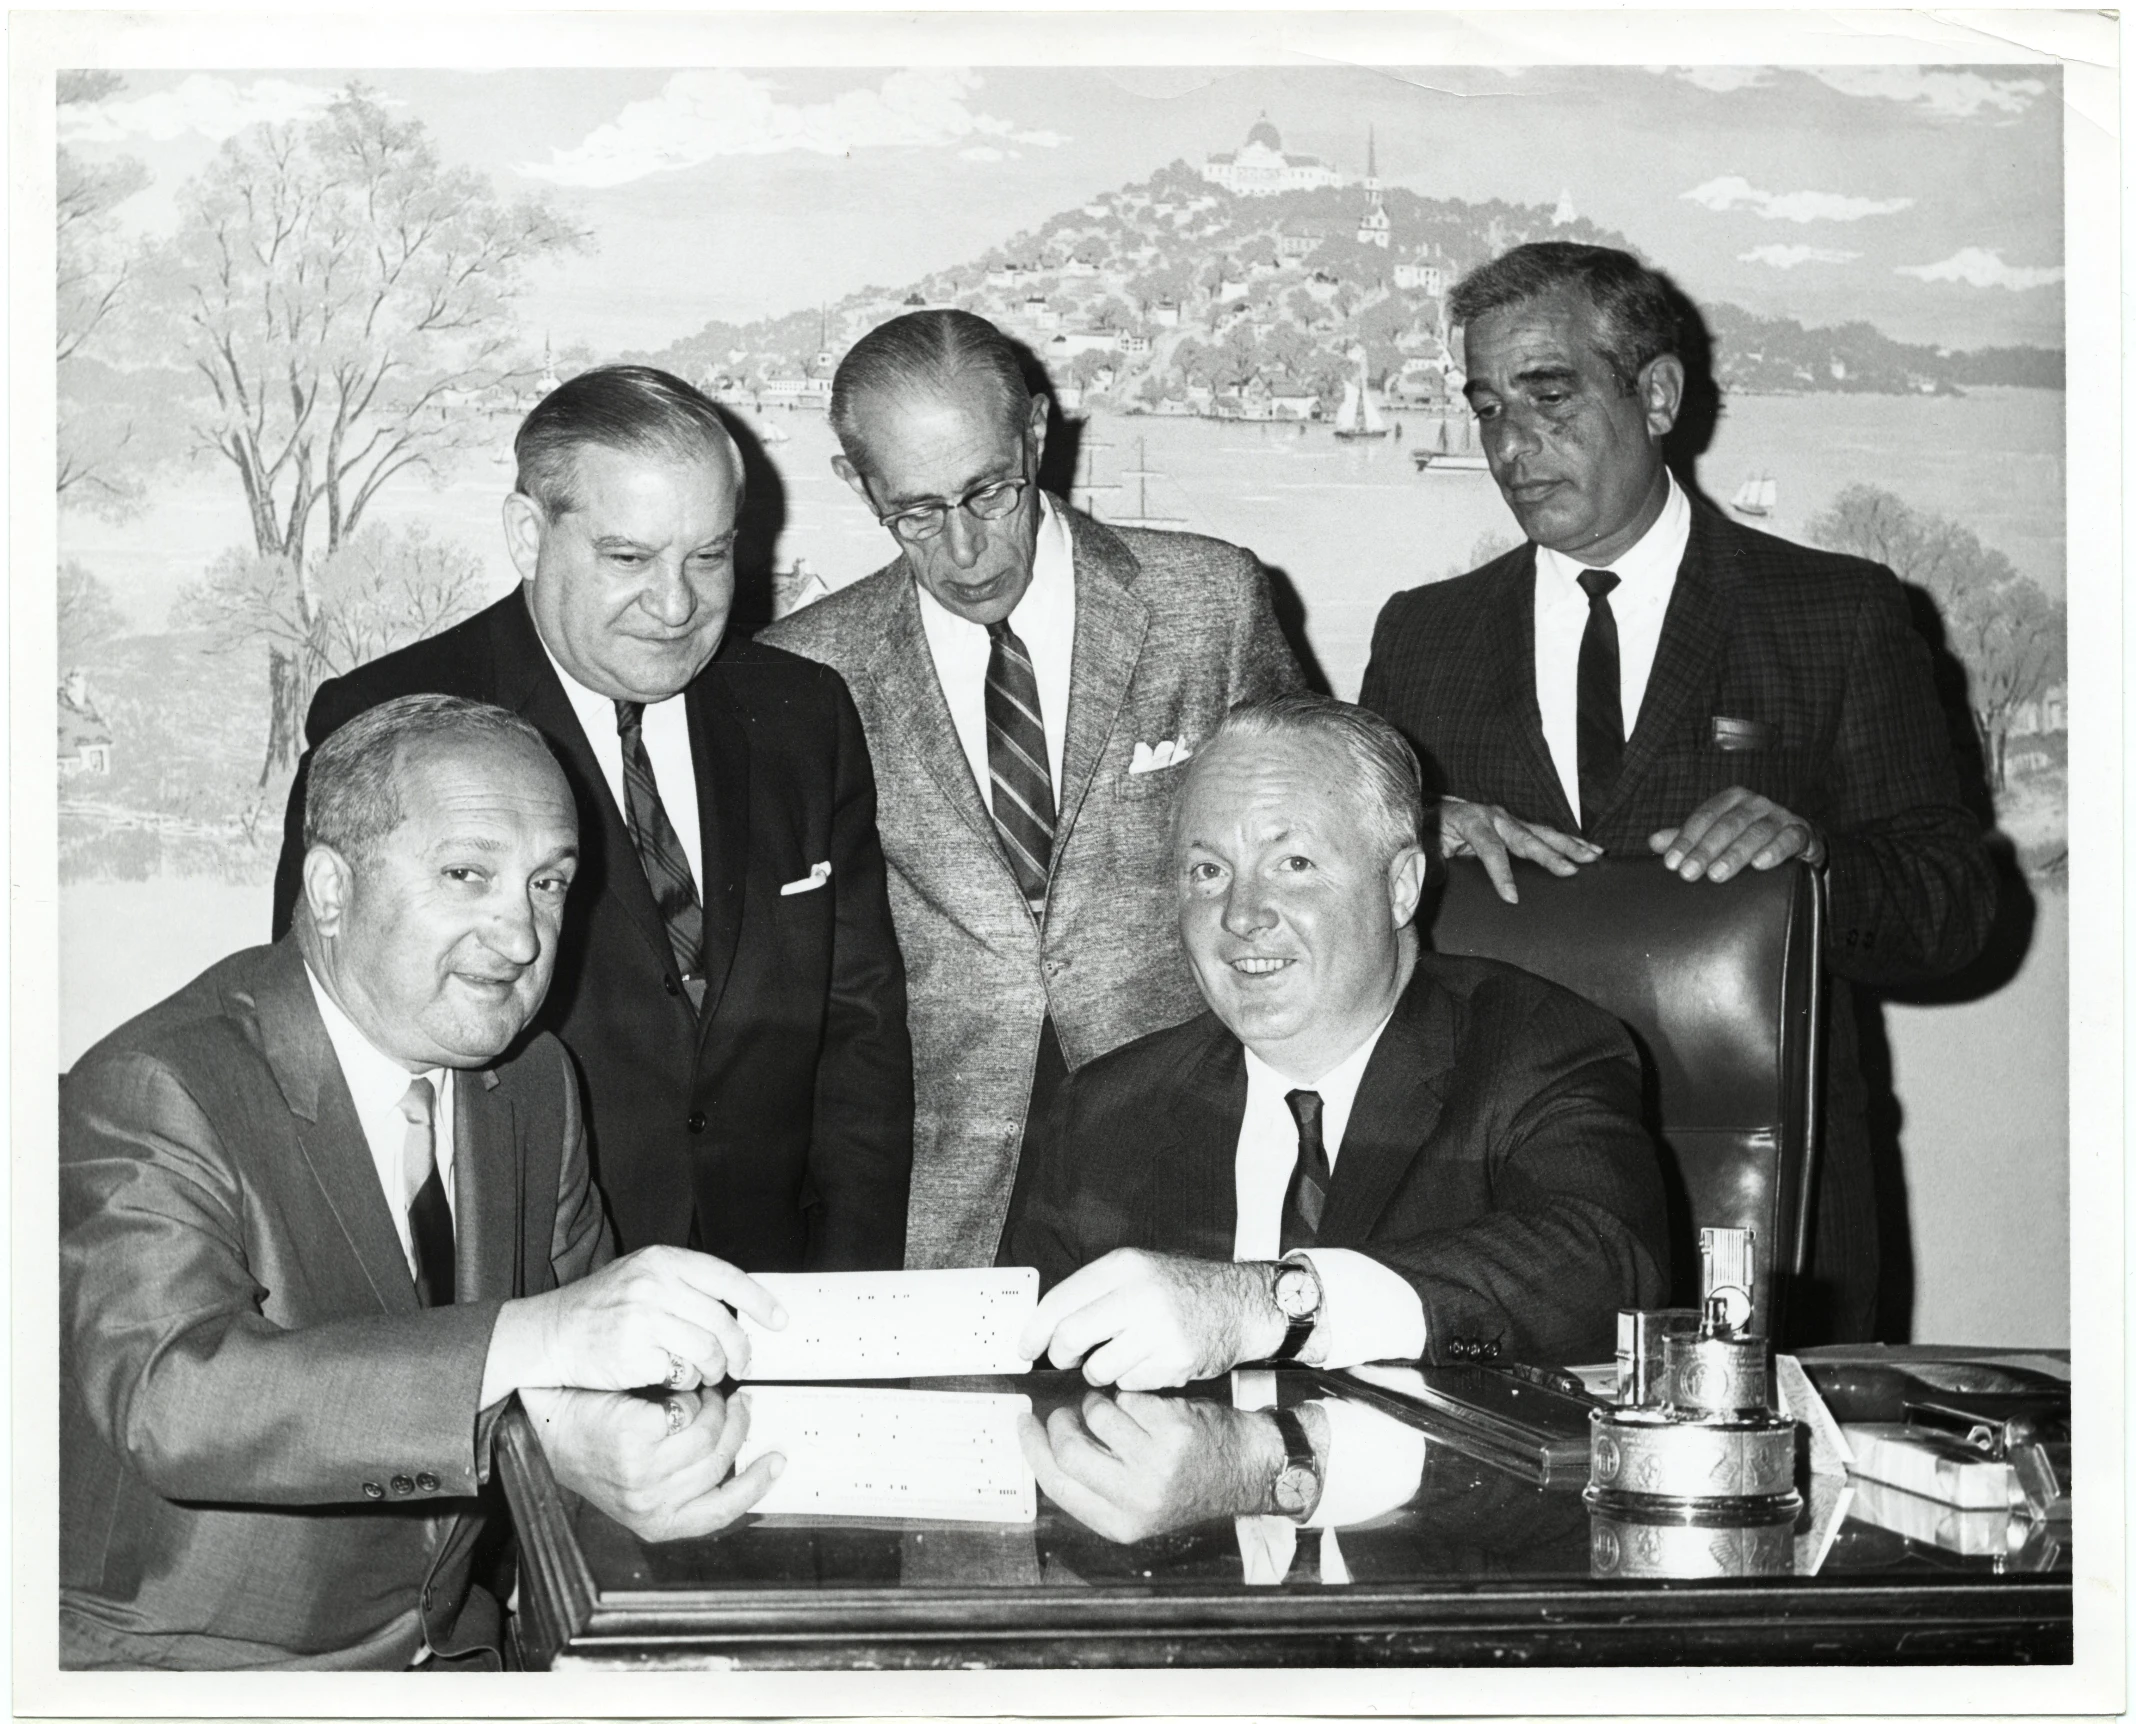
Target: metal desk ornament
x=1691, y=1474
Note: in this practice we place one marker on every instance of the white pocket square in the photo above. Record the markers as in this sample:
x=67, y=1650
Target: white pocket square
x=1172, y=752
x=808, y=882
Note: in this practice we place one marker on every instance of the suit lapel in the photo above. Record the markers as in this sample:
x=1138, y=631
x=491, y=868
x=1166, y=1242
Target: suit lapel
x=719, y=748
x=1396, y=1109
x=486, y=1204
x=1510, y=639
x=527, y=684
x=1198, y=1168
x=1110, y=624
x=1694, y=632
x=916, y=714
x=293, y=1038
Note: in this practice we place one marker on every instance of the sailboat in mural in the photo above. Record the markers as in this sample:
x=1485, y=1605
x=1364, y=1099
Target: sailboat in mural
x=1084, y=489
x=1142, y=473
x=1359, y=416
x=1759, y=494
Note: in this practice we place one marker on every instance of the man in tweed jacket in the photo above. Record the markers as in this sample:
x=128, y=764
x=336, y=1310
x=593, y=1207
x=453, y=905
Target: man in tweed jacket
x=1772, y=701
x=1036, y=917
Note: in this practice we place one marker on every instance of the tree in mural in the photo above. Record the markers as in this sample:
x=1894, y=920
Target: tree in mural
x=344, y=301
x=89, y=618
x=2012, y=639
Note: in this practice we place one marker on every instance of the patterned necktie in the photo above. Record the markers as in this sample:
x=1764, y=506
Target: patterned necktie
x=1016, y=761
x=423, y=1192
x=1307, y=1199
x=667, y=869
x=1601, y=709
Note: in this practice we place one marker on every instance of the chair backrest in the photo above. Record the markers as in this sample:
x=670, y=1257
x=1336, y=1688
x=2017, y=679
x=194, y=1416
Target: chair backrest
x=1722, y=988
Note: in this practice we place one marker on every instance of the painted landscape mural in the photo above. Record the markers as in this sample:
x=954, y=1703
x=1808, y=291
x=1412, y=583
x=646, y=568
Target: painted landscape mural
x=300, y=314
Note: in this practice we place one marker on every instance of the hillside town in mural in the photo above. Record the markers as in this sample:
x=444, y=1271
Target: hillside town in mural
x=325, y=349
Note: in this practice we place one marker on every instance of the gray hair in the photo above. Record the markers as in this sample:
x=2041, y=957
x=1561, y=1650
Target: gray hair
x=352, y=800
x=926, y=351
x=634, y=408
x=1383, y=774
x=1631, y=302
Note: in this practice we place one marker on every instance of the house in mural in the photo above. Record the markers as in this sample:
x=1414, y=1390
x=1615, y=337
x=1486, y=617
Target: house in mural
x=84, y=737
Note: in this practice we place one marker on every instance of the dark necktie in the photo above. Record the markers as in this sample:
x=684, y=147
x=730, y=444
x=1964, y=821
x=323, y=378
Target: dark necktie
x=667, y=869
x=1601, y=719
x=429, y=1215
x=1016, y=761
x=1307, y=1199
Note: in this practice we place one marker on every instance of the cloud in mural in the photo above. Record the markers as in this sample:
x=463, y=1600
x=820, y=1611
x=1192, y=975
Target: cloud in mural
x=1978, y=267
x=1721, y=80
x=1732, y=191
x=1953, y=94
x=703, y=114
x=1794, y=256
x=216, y=108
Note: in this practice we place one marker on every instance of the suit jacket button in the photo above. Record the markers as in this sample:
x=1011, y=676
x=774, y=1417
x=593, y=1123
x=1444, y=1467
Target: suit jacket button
x=673, y=987
x=426, y=1481
x=403, y=1485
x=696, y=1122
x=373, y=1489
x=1490, y=1349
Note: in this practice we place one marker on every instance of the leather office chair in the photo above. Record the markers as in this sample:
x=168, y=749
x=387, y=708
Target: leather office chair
x=1722, y=988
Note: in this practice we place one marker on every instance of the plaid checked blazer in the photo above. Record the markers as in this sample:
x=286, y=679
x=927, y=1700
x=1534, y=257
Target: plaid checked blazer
x=1795, y=673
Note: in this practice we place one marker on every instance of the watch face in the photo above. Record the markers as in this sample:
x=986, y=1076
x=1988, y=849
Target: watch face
x=1294, y=1489
x=1297, y=1293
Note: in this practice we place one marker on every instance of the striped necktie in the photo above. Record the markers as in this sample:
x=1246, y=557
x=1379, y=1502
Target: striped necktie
x=667, y=868
x=1016, y=761
x=1307, y=1199
x=423, y=1194
x=1600, y=724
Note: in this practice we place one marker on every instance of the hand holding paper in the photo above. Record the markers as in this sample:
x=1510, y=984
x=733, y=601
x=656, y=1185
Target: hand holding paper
x=892, y=1323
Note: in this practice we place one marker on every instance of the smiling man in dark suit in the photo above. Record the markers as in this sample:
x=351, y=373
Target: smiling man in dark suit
x=1362, y=1150
x=729, y=985
x=1647, y=677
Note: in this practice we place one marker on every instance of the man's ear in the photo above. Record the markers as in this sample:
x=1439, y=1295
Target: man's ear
x=329, y=885
x=1406, y=875
x=524, y=525
x=1661, y=393
x=851, y=475
x=1035, y=428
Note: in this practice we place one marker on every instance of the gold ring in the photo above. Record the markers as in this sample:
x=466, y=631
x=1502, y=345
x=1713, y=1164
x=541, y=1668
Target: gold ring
x=677, y=1416
x=676, y=1369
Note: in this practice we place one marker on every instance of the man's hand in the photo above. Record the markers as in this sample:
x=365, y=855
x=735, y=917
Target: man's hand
x=657, y=1318
x=658, y=1466
x=1485, y=830
x=1732, y=829
x=1133, y=1466
x=1151, y=1320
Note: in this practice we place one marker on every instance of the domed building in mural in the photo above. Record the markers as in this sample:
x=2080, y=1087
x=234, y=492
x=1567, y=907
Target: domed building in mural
x=1260, y=167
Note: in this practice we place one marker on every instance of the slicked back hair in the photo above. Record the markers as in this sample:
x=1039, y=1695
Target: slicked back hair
x=1382, y=776
x=633, y=408
x=352, y=799
x=925, y=352
x=1631, y=302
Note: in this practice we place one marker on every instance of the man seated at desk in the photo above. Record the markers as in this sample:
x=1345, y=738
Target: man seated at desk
x=322, y=1212
x=1362, y=1150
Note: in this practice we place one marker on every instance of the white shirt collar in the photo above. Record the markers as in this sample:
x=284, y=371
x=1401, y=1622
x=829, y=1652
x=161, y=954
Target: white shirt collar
x=1337, y=1088
x=1648, y=568
x=377, y=1081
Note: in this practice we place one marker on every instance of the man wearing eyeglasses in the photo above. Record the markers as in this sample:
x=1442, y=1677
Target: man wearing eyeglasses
x=1030, y=681
x=728, y=983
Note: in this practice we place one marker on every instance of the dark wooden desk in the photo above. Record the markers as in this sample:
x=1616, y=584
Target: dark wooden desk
x=1479, y=1568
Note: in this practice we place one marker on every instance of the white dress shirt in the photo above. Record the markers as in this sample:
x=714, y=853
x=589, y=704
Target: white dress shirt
x=1044, y=620
x=1367, y=1310
x=1646, y=576
x=666, y=728
x=378, y=1085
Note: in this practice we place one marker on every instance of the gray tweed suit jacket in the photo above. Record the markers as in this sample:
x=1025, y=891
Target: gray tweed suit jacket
x=1171, y=631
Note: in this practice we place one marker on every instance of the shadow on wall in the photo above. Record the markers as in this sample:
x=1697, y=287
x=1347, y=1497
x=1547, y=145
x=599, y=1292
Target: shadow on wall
x=763, y=519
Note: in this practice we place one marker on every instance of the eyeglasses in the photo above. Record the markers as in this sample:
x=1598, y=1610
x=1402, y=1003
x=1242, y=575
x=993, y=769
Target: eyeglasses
x=988, y=502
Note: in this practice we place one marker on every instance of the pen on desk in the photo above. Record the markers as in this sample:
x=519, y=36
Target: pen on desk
x=1563, y=1381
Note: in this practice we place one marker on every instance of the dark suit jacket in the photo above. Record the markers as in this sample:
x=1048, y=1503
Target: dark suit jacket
x=1494, y=1159
x=1815, y=651
x=783, y=1112
x=269, y=1452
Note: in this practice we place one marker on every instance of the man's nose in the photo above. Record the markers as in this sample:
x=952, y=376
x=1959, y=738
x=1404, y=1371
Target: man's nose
x=1510, y=437
x=963, y=538
x=514, y=933
x=1247, y=910
x=667, y=595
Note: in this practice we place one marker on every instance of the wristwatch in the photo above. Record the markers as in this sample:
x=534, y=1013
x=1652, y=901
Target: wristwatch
x=1296, y=1491
x=1295, y=1286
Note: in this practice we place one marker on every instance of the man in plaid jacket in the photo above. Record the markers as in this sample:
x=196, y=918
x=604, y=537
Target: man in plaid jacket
x=1646, y=677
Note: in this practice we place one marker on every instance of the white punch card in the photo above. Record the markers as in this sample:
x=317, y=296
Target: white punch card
x=907, y=1454
x=893, y=1323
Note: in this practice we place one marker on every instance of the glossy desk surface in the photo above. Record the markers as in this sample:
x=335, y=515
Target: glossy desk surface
x=1476, y=1566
